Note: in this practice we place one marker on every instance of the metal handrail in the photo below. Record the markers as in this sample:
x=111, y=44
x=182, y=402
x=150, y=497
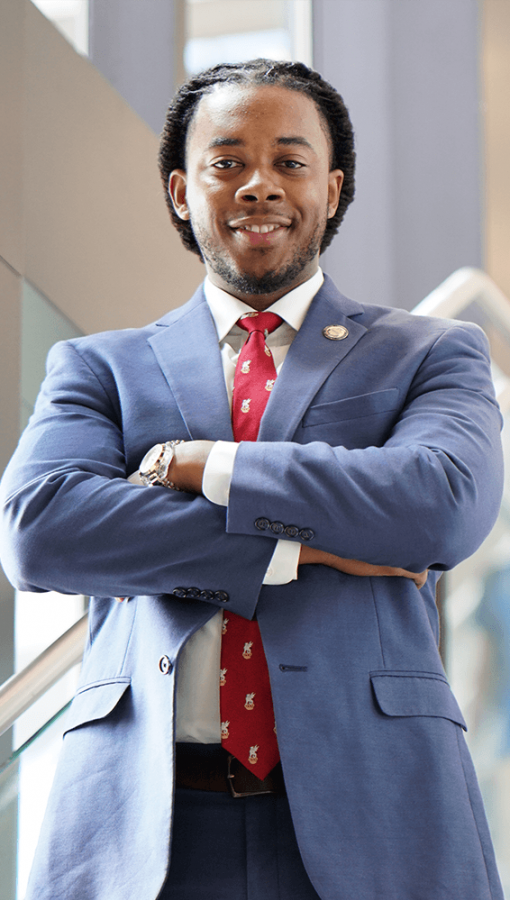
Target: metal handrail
x=458, y=291
x=462, y=288
x=21, y=690
x=448, y=300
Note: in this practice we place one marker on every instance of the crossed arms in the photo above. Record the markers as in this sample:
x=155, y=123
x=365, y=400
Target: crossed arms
x=187, y=471
x=72, y=523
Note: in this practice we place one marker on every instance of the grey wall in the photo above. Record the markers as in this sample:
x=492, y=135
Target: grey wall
x=408, y=72
x=138, y=47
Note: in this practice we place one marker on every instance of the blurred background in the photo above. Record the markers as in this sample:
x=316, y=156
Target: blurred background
x=86, y=245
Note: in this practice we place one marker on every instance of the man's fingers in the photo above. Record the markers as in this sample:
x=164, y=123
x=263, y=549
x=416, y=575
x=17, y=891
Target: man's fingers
x=356, y=567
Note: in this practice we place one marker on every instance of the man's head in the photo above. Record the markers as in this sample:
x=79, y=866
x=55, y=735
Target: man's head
x=253, y=157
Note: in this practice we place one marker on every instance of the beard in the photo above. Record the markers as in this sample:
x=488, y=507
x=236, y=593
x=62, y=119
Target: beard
x=271, y=281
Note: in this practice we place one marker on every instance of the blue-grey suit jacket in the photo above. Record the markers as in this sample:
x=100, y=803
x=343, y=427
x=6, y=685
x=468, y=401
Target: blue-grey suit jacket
x=382, y=447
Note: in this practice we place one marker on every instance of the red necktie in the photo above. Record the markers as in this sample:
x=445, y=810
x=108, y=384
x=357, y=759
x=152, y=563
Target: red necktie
x=248, y=729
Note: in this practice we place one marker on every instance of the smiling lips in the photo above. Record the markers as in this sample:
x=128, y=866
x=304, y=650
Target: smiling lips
x=260, y=224
x=258, y=233
x=260, y=229
x=261, y=233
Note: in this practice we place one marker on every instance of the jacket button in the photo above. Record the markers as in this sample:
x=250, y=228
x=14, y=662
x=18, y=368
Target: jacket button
x=193, y=593
x=165, y=666
x=277, y=527
x=206, y=595
x=262, y=524
x=221, y=596
x=180, y=592
x=291, y=530
x=306, y=534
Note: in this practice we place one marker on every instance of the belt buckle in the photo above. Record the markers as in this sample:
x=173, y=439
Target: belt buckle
x=230, y=777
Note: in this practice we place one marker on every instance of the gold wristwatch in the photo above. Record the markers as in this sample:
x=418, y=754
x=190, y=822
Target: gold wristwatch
x=156, y=463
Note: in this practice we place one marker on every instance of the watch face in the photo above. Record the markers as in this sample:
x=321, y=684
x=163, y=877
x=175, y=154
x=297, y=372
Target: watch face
x=151, y=458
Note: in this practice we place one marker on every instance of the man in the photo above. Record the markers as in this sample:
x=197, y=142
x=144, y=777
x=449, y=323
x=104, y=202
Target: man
x=360, y=450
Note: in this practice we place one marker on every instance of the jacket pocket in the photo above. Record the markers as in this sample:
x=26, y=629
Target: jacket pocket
x=352, y=407
x=95, y=701
x=415, y=694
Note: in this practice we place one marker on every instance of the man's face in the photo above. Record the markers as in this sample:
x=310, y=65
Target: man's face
x=257, y=189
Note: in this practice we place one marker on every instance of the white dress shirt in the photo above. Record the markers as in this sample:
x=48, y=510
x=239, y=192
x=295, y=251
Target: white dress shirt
x=198, y=684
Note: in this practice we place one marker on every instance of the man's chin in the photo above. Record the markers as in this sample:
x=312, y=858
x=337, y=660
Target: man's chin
x=260, y=283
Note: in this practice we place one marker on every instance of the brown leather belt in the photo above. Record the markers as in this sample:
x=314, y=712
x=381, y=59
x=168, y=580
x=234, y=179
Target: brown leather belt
x=208, y=767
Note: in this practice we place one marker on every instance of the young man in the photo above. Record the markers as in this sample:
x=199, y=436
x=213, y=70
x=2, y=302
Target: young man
x=278, y=424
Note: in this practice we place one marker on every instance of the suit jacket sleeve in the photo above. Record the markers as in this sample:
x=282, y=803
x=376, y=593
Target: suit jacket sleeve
x=72, y=523
x=426, y=498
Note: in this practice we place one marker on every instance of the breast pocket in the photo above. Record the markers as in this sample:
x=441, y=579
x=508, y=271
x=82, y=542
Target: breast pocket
x=354, y=422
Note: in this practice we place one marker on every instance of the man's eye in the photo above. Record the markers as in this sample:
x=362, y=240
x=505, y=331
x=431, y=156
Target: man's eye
x=225, y=164
x=292, y=164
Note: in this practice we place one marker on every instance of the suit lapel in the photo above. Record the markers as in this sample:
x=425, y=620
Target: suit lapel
x=186, y=348
x=310, y=360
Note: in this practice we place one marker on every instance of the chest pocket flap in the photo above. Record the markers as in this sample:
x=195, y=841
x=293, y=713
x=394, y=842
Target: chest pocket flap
x=95, y=701
x=415, y=694
x=352, y=407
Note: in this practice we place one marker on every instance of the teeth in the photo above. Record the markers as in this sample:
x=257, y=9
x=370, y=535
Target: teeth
x=261, y=229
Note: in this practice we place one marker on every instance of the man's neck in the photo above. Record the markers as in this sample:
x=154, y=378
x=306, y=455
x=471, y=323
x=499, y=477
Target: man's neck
x=260, y=302
x=292, y=307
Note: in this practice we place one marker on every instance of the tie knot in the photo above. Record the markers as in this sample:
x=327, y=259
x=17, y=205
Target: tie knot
x=266, y=322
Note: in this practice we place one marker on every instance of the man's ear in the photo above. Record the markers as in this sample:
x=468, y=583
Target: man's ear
x=335, y=182
x=177, y=191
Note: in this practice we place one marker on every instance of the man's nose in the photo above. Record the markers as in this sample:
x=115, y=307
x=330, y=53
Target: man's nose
x=261, y=185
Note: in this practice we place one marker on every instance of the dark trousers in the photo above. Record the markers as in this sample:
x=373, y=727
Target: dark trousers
x=234, y=849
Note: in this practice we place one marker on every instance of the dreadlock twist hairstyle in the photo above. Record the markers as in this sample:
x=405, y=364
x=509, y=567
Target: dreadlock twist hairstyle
x=294, y=76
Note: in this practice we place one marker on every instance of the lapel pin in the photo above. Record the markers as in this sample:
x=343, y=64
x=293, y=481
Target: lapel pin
x=335, y=332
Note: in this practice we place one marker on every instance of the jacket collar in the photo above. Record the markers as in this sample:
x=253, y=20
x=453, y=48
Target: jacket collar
x=310, y=360
x=186, y=347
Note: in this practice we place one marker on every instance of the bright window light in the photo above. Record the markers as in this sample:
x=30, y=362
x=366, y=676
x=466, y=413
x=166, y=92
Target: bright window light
x=71, y=17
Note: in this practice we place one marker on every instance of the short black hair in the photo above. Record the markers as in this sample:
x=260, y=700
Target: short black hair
x=292, y=75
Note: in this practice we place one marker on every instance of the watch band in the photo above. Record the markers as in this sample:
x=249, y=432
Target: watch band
x=156, y=463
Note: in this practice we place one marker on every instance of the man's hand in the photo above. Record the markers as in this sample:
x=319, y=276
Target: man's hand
x=187, y=467
x=355, y=567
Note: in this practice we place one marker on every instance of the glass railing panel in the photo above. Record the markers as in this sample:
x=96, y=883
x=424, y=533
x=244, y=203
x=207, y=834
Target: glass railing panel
x=8, y=831
x=47, y=706
x=478, y=665
x=37, y=766
x=40, y=619
x=476, y=594
x=25, y=782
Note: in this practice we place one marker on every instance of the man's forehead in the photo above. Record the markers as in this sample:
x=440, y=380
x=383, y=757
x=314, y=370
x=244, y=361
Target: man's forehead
x=221, y=113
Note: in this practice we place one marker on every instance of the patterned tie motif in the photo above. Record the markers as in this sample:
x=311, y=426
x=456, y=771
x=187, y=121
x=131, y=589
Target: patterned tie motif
x=248, y=729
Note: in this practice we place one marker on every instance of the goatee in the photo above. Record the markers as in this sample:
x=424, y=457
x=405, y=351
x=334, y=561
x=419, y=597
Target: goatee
x=270, y=282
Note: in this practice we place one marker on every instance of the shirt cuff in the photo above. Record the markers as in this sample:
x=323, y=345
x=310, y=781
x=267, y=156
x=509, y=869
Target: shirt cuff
x=218, y=472
x=216, y=488
x=284, y=563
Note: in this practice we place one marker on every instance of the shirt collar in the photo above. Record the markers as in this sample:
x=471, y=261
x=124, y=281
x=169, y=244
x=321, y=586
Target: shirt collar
x=292, y=307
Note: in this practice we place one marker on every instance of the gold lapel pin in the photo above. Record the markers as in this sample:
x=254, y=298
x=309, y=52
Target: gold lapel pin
x=335, y=332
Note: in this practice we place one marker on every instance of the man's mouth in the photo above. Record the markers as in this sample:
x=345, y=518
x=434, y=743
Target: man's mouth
x=260, y=229
x=260, y=234
x=261, y=223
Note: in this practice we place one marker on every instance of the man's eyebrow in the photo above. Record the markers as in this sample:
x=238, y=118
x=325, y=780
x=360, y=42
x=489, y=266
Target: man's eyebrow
x=289, y=141
x=225, y=142
x=237, y=142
